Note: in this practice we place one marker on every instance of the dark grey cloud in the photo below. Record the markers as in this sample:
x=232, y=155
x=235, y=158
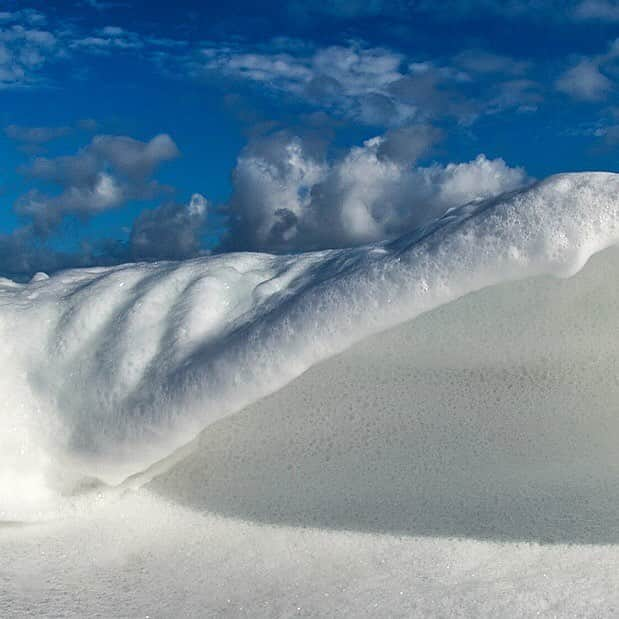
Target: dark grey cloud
x=169, y=232
x=104, y=175
x=22, y=253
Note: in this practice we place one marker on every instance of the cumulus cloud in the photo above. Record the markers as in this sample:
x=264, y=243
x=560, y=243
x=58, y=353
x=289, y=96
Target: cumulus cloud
x=169, y=232
x=585, y=81
x=287, y=199
x=105, y=174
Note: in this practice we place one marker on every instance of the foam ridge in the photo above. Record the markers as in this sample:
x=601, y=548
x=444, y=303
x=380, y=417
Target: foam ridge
x=108, y=370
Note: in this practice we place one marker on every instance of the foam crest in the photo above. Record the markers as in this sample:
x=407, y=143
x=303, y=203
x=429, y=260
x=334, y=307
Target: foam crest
x=106, y=371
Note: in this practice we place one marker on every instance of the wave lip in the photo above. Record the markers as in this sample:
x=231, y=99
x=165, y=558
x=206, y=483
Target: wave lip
x=108, y=370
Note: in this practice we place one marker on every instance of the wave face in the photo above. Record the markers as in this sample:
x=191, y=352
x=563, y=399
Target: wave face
x=493, y=417
x=106, y=371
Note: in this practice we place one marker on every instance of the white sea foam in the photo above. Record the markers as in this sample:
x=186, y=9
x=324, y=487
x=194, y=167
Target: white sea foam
x=106, y=371
x=398, y=478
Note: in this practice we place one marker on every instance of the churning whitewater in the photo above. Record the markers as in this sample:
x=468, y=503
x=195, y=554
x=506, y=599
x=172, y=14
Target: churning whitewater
x=107, y=371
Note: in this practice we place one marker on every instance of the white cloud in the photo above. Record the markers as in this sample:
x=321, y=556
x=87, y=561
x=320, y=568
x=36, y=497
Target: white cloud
x=23, y=53
x=352, y=80
x=585, y=81
x=376, y=86
x=110, y=38
x=26, y=16
x=288, y=199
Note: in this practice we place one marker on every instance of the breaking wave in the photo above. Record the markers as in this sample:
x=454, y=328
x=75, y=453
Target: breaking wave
x=107, y=371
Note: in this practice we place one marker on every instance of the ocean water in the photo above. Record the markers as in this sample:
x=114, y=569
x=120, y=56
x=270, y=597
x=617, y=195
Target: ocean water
x=425, y=426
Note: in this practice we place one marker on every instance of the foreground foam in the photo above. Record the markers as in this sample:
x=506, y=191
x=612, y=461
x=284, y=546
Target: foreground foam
x=108, y=370
x=142, y=557
x=355, y=490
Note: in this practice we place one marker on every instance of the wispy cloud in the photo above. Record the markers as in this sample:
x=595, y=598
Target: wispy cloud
x=24, y=52
x=376, y=86
x=585, y=81
x=31, y=44
x=35, y=135
x=351, y=80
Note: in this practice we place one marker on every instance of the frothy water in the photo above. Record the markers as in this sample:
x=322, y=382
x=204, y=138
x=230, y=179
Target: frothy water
x=107, y=371
x=425, y=427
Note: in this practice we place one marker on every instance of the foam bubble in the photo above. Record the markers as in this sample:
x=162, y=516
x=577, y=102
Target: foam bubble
x=107, y=370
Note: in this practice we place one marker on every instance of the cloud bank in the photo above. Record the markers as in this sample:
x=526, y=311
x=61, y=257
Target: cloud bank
x=287, y=198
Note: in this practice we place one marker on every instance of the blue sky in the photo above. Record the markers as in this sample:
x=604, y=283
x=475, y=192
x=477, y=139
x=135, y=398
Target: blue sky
x=139, y=132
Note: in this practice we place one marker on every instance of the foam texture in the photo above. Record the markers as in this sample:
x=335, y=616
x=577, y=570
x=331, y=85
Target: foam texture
x=106, y=371
x=460, y=464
